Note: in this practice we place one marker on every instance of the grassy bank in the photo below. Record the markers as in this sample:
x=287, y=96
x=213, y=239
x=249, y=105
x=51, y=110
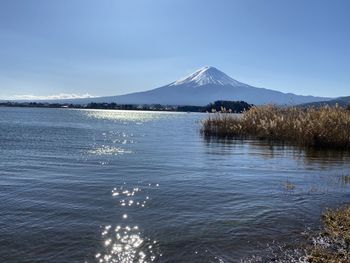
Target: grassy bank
x=323, y=127
x=333, y=245
x=330, y=244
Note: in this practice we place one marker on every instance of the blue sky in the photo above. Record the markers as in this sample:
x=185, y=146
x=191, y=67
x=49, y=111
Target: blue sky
x=111, y=47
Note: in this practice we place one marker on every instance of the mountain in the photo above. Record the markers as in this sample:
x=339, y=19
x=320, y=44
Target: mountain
x=204, y=86
x=341, y=101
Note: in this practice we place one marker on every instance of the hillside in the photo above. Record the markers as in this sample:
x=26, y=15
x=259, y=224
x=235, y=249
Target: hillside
x=341, y=101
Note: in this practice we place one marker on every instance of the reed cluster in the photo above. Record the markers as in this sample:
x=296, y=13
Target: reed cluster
x=324, y=127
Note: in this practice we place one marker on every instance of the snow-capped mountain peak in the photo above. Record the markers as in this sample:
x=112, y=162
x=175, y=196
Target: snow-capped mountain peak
x=204, y=86
x=208, y=76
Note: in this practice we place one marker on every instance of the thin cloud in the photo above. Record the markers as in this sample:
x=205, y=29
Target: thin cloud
x=50, y=97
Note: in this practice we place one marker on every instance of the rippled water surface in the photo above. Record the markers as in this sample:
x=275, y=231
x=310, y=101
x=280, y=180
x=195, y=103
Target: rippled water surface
x=118, y=186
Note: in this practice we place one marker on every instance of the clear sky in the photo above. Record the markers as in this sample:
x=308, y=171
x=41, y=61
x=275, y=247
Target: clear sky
x=111, y=47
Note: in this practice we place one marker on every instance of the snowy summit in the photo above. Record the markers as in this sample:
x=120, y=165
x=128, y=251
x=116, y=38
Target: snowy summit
x=208, y=76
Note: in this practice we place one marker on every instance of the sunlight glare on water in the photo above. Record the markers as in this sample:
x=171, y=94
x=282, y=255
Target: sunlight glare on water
x=108, y=150
x=123, y=115
x=125, y=243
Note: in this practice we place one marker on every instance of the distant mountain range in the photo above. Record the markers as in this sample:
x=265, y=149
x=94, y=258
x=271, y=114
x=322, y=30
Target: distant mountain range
x=341, y=101
x=204, y=86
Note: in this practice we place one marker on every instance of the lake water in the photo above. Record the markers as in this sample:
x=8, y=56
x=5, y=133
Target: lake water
x=118, y=186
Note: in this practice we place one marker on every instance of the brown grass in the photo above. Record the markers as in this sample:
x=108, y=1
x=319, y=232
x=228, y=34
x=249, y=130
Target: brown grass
x=336, y=248
x=337, y=224
x=326, y=126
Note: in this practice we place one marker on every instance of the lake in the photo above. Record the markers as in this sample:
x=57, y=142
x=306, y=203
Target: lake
x=124, y=186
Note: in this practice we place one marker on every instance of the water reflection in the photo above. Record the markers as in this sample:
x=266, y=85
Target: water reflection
x=272, y=149
x=345, y=179
x=326, y=157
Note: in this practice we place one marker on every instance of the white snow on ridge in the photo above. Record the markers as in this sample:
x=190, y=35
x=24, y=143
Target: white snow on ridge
x=206, y=76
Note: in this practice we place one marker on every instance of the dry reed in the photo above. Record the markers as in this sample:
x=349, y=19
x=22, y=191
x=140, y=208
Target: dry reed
x=324, y=127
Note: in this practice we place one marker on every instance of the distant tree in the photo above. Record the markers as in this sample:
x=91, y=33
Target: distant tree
x=191, y=108
x=228, y=106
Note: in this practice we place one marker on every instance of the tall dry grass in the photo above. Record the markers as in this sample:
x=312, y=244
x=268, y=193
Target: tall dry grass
x=324, y=127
